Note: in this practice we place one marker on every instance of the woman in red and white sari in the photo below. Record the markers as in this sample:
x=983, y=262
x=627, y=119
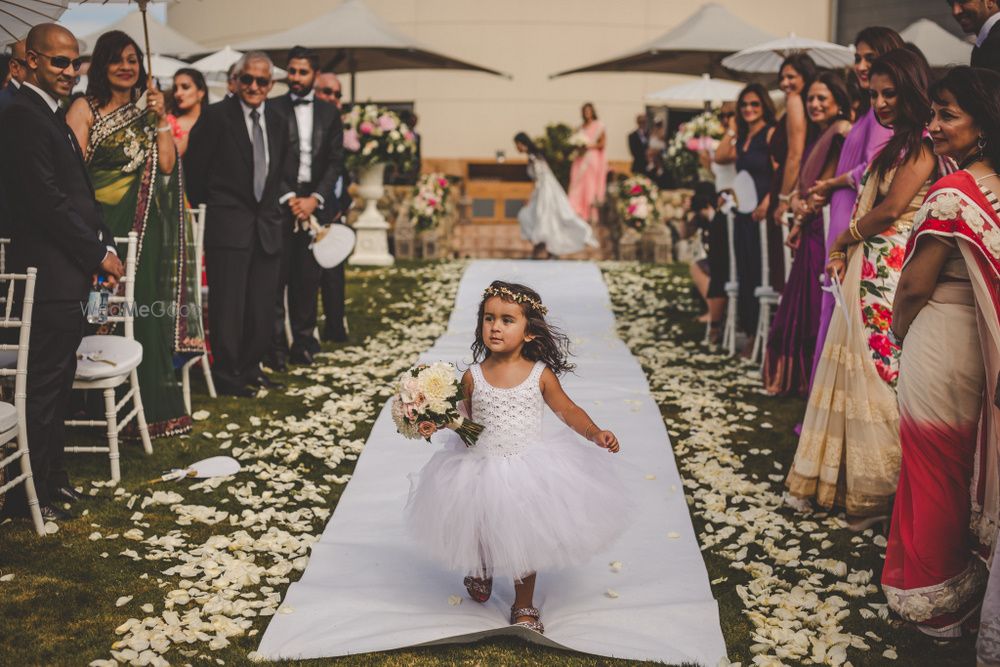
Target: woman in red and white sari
x=947, y=307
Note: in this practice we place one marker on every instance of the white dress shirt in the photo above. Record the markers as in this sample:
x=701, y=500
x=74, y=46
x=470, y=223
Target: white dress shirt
x=304, y=122
x=263, y=126
x=984, y=32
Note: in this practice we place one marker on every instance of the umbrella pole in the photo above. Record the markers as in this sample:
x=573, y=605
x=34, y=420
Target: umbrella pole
x=145, y=31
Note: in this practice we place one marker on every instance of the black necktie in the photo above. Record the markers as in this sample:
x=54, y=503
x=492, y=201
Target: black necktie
x=259, y=158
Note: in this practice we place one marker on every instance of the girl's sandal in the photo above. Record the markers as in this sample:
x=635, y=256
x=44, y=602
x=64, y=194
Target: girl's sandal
x=531, y=612
x=479, y=589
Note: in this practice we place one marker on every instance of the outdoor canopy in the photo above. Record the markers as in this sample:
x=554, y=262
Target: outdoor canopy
x=162, y=38
x=351, y=39
x=941, y=48
x=697, y=46
x=18, y=16
x=766, y=58
x=703, y=90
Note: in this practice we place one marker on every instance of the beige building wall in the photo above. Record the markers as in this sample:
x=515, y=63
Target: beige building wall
x=472, y=115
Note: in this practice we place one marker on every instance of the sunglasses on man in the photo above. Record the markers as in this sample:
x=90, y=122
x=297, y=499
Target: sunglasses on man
x=59, y=62
x=331, y=91
x=249, y=79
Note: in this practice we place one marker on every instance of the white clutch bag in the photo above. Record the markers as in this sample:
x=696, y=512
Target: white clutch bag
x=332, y=244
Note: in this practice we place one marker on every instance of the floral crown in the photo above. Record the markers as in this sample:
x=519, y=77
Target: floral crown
x=509, y=295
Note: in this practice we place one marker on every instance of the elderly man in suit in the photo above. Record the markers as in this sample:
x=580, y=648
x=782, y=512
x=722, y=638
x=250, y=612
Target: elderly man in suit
x=982, y=19
x=57, y=227
x=316, y=154
x=236, y=164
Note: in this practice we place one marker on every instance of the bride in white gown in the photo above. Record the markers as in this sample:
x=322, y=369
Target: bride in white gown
x=548, y=220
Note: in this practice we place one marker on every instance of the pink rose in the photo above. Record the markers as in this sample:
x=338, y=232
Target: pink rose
x=351, y=141
x=868, y=270
x=409, y=135
x=386, y=122
x=443, y=182
x=636, y=189
x=431, y=201
x=367, y=128
x=631, y=209
x=426, y=429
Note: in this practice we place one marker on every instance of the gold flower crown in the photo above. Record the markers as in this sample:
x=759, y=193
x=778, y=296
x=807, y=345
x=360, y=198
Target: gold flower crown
x=516, y=297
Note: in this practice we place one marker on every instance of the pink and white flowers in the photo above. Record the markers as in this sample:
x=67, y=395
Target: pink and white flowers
x=430, y=195
x=637, y=202
x=427, y=399
x=374, y=135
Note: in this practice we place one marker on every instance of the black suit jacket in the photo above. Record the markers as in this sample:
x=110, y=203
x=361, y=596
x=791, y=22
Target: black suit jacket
x=219, y=173
x=988, y=55
x=637, y=147
x=327, y=144
x=56, y=225
x=7, y=94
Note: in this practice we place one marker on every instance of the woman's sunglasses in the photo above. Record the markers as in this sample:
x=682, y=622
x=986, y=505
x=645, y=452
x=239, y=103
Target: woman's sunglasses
x=249, y=79
x=60, y=62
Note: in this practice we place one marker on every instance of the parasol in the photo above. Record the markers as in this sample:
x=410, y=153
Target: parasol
x=767, y=57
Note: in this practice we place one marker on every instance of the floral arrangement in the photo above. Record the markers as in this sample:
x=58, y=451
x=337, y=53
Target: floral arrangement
x=374, y=134
x=578, y=142
x=702, y=132
x=426, y=399
x=430, y=195
x=637, y=202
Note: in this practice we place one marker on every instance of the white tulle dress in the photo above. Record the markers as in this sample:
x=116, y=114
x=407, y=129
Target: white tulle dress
x=549, y=218
x=516, y=502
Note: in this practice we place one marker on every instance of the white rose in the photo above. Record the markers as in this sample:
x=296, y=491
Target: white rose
x=438, y=382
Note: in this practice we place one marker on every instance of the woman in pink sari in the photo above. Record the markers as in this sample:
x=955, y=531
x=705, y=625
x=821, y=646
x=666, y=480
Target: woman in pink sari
x=589, y=174
x=947, y=308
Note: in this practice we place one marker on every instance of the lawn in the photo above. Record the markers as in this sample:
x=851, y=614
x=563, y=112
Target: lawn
x=192, y=572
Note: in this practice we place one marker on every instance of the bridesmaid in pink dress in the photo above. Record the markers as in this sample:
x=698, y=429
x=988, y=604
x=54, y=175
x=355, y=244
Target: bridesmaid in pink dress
x=589, y=173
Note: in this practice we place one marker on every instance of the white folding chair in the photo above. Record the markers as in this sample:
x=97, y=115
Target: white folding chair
x=732, y=286
x=767, y=298
x=106, y=362
x=3, y=254
x=14, y=363
x=197, y=218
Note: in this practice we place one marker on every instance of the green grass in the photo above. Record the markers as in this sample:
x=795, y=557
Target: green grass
x=60, y=607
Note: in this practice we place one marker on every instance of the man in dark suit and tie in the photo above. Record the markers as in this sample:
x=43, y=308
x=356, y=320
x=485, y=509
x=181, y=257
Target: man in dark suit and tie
x=17, y=66
x=982, y=19
x=316, y=154
x=236, y=164
x=638, y=143
x=56, y=227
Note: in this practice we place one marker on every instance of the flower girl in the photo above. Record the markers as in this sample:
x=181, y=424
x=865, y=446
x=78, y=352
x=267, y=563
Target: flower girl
x=517, y=501
x=548, y=220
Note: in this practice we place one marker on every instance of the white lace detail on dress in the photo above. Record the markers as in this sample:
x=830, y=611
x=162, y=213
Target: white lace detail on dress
x=512, y=418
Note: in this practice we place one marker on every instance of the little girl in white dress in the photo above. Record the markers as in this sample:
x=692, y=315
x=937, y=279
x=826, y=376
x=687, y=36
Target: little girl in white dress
x=517, y=502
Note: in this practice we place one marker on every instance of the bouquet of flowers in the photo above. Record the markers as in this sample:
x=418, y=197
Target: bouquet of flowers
x=426, y=399
x=429, y=198
x=702, y=132
x=374, y=134
x=637, y=202
x=578, y=142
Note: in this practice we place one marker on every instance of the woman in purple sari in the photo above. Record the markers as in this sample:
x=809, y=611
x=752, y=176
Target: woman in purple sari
x=791, y=342
x=862, y=144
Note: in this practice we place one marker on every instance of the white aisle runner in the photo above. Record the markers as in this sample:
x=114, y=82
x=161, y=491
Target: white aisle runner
x=367, y=588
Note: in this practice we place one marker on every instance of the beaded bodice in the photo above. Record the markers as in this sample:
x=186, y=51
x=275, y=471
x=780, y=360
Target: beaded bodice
x=511, y=418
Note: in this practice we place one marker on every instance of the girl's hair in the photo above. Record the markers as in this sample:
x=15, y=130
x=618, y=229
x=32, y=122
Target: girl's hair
x=838, y=88
x=977, y=92
x=908, y=73
x=593, y=111
x=550, y=345
x=881, y=40
x=108, y=49
x=766, y=106
x=199, y=82
x=804, y=65
x=523, y=138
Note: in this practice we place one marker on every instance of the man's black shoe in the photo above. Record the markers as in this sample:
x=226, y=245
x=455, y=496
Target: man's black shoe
x=53, y=513
x=303, y=358
x=67, y=494
x=276, y=363
x=267, y=383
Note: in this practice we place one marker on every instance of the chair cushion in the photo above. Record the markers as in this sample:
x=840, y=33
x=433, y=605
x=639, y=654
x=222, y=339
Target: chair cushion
x=102, y=357
x=8, y=358
x=8, y=417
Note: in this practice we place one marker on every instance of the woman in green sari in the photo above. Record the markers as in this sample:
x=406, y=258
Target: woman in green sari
x=132, y=161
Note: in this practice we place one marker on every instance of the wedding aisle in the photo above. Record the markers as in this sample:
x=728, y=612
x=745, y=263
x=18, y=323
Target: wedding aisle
x=366, y=588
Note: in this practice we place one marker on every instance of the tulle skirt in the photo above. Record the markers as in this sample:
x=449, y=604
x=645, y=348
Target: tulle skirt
x=555, y=504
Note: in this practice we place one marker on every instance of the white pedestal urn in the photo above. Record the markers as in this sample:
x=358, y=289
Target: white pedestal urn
x=372, y=247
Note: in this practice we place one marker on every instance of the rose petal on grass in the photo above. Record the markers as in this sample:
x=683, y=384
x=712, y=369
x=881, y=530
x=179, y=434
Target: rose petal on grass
x=611, y=593
x=123, y=600
x=454, y=600
x=198, y=415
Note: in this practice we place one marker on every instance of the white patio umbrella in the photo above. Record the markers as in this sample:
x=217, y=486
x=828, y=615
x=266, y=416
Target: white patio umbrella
x=220, y=62
x=767, y=57
x=941, y=48
x=17, y=17
x=696, y=46
x=351, y=39
x=704, y=90
x=162, y=66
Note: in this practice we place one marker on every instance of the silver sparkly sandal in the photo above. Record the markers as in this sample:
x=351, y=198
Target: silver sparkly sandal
x=531, y=612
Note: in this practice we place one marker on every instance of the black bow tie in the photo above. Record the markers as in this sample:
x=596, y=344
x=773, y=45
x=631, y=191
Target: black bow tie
x=301, y=100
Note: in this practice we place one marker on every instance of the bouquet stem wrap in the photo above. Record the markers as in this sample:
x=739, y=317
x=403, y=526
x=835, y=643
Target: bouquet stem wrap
x=467, y=430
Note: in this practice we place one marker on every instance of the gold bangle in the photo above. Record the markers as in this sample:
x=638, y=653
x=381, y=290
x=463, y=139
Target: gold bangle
x=836, y=254
x=855, y=234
